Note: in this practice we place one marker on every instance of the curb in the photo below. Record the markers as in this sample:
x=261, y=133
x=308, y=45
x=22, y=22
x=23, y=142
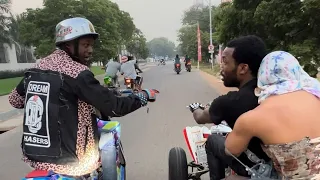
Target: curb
x=10, y=114
x=16, y=112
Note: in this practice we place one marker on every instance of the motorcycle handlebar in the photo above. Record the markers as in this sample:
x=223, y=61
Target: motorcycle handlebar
x=125, y=91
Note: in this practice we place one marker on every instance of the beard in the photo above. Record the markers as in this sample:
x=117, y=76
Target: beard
x=76, y=58
x=230, y=79
x=84, y=61
x=88, y=62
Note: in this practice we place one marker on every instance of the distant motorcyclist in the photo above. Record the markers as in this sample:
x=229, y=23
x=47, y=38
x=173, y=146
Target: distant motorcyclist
x=128, y=69
x=112, y=68
x=136, y=66
x=187, y=60
x=177, y=60
x=161, y=62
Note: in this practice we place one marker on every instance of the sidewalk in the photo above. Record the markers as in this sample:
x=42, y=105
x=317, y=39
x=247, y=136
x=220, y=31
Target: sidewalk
x=4, y=104
x=11, y=123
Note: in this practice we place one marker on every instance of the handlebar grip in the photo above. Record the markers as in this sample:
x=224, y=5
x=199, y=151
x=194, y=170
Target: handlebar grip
x=126, y=91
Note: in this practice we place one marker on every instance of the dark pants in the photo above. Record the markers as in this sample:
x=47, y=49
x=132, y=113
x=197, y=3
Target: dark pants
x=115, y=81
x=138, y=81
x=218, y=160
x=137, y=68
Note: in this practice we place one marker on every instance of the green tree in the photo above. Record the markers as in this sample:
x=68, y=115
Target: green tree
x=307, y=40
x=290, y=25
x=127, y=26
x=226, y=28
x=4, y=21
x=189, y=42
x=13, y=28
x=161, y=47
x=138, y=45
x=198, y=15
x=280, y=29
x=187, y=34
x=114, y=26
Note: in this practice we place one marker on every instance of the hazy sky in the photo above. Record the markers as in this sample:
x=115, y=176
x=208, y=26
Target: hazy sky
x=155, y=18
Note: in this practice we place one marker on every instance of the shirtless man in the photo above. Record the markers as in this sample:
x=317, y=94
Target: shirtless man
x=287, y=120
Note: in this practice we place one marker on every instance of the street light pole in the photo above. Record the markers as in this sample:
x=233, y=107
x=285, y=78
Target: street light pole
x=210, y=15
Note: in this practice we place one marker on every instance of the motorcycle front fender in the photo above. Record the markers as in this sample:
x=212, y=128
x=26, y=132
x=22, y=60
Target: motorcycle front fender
x=106, y=140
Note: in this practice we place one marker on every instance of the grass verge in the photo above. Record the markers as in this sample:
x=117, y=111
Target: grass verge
x=206, y=67
x=6, y=85
x=96, y=70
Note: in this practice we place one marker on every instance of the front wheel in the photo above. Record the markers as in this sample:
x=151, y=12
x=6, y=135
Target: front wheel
x=112, y=159
x=178, y=167
x=109, y=163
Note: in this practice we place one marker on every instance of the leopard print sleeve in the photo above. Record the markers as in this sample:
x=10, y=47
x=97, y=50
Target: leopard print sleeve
x=16, y=100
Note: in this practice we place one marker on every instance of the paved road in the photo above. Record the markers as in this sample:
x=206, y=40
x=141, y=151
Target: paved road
x=147, y=137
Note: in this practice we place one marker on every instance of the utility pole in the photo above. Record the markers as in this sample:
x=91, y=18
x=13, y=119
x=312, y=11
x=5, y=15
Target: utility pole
x=210, y=15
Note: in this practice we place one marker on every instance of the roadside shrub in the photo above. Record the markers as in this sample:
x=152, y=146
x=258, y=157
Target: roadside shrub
x=11, y=74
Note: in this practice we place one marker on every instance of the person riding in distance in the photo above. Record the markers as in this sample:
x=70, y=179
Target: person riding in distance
x=128, y=69
x=112, y=68
x=177, y=60
x=287, y=119
x=136, y=66
x=59, y=96
x=240, y=63
x=187, y=60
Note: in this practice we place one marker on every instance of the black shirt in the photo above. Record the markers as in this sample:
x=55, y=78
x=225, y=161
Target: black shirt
x=231, y=106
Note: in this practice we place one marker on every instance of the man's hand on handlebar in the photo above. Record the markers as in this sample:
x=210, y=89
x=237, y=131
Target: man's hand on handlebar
x=147, y=95
x=151, y=94
x=195, y=106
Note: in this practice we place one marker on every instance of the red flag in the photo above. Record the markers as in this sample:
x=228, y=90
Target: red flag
x=199, y=43
x=220, y=54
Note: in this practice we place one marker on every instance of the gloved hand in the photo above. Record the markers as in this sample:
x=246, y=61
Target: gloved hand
x=195, y=106
x=151, y=93
x=147, y=95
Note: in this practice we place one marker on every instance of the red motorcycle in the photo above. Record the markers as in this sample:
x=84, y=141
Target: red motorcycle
x=134, y=84
x=177, y=68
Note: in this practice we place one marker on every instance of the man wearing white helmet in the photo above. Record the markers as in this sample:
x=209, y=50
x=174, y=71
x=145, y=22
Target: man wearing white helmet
x=128, y=69
x=60, y=95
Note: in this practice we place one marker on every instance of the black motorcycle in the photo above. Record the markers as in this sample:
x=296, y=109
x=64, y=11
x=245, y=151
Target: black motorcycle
x=162, y=62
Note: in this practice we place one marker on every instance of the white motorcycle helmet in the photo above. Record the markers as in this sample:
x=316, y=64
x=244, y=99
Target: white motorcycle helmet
x=73, y=28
